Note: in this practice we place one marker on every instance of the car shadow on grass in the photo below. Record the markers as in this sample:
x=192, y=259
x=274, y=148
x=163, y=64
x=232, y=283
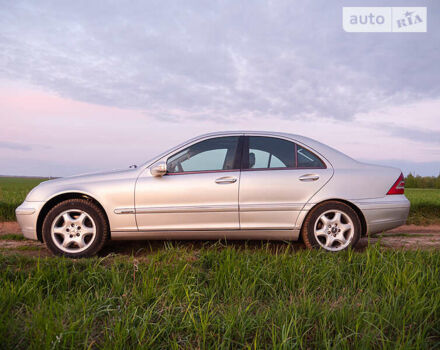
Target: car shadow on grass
x=146, y=247
x=140, y=248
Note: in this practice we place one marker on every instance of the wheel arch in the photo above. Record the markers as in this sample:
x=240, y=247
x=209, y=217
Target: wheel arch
x=358, y=211
x=61, y=198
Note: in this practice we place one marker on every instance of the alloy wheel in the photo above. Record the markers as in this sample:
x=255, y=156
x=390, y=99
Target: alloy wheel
x=73, y=231
x=334, y=230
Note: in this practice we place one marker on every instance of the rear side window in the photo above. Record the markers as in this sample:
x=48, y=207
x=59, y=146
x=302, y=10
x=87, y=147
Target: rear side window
x=270, y=152
x=274, y=153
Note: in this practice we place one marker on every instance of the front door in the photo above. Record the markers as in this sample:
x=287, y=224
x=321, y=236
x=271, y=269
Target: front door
x=198, y=192
x=278, y=178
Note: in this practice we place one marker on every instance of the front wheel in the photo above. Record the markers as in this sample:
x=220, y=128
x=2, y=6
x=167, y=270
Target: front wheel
x=332, y=226
x=75, y=228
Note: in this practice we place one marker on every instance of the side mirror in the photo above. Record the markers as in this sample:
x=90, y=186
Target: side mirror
x=159, y=169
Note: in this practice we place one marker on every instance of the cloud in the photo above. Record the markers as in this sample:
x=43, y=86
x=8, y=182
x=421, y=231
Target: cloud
x=217, y=60
x=15, y=146
x=420, y=135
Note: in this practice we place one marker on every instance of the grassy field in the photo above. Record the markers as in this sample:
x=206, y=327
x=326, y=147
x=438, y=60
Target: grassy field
x=223, y=297
x=425, y=203
x=425, y=206
x=13, y=191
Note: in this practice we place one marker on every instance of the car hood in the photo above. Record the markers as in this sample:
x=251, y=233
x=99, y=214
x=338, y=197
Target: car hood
x=94, y=176
x=75, y=182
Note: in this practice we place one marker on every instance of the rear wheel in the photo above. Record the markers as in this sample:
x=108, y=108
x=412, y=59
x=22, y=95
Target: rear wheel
x=75, y=228
x=332, y=226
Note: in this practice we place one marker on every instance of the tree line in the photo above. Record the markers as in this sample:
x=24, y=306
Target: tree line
x=418, y=181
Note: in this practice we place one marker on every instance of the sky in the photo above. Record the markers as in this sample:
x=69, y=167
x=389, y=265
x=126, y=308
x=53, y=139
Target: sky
x=93, y=85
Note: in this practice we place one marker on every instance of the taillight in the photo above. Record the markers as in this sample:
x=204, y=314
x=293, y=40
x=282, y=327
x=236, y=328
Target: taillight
x=398, y=187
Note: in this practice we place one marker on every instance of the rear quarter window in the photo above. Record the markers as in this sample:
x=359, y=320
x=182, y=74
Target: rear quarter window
x=307, y=159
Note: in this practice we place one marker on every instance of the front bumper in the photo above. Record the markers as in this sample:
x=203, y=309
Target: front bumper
x=385, y=213
x=27, y=217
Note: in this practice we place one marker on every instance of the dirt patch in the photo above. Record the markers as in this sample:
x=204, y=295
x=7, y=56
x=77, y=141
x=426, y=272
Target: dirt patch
x=11, y=244
x=435, y=229
x=404, y=237
x=407, y=237
x=9, y=227
x=24, y=247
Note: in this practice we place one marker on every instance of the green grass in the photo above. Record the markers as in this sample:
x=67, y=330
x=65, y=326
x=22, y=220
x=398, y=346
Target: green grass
x=12, y=237
x=425, y=203
x=13, y=191
x=425, y=206
x=223, y=297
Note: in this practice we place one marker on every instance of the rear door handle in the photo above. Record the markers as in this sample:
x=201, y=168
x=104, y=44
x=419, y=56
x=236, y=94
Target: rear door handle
x=226, y=180
x=309, y=177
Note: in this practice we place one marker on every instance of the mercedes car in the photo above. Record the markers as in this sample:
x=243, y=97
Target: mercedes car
x=226, y=185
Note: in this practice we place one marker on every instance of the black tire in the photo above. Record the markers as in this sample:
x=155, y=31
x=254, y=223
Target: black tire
x=308, y=227
x=93, y=211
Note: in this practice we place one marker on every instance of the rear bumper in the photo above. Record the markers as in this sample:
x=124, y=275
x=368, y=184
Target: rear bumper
x=27, y=216
x=385, y=213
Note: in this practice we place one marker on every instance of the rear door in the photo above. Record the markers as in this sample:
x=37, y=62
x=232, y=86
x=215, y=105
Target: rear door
x=277, y=179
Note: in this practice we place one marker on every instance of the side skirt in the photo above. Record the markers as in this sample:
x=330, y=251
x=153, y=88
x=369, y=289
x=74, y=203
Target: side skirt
x=275, y=235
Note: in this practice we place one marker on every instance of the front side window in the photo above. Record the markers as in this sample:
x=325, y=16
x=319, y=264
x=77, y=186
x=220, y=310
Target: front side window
x=214, y=154
x=270, y=152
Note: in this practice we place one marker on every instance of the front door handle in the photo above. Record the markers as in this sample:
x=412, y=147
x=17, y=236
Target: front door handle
x=309, y=177
x=226, y=180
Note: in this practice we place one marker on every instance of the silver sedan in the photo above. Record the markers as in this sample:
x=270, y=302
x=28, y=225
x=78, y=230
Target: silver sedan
x=233, y=185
